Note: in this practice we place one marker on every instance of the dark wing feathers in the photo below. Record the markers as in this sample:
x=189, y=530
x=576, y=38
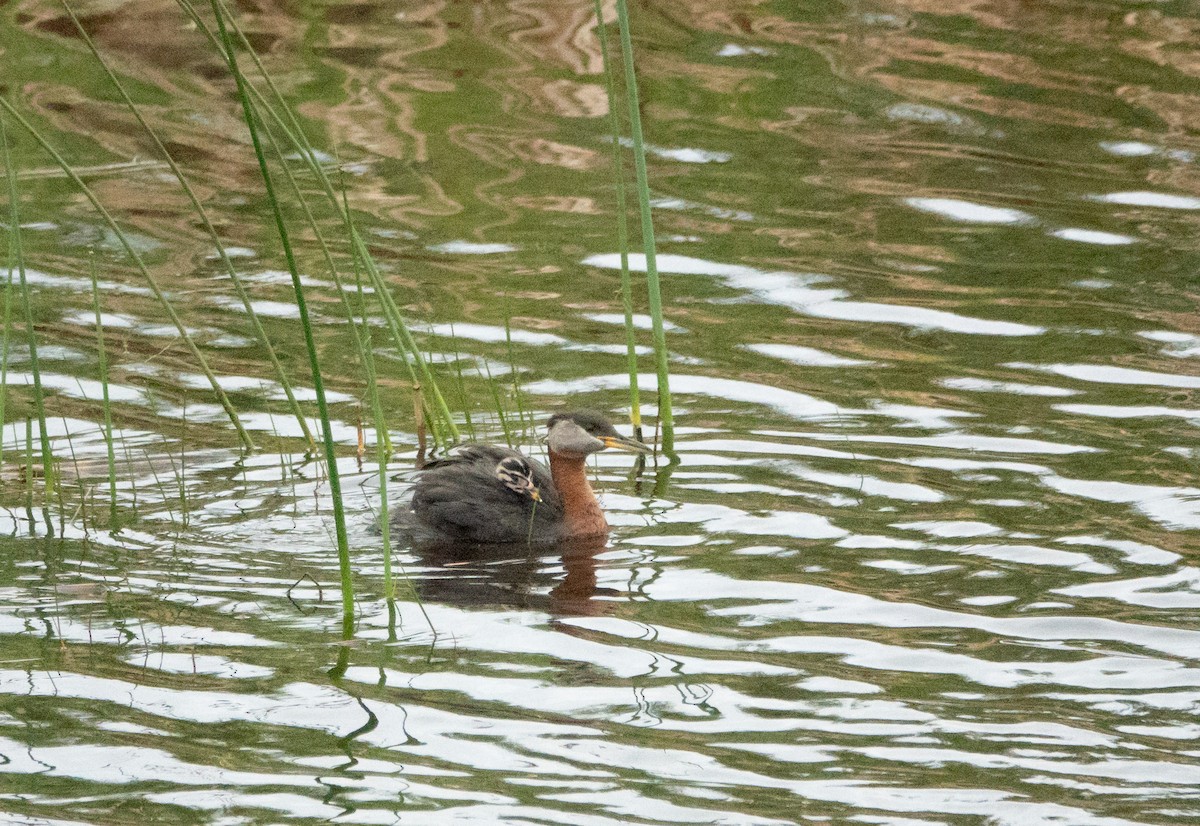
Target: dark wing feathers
x=482, y=493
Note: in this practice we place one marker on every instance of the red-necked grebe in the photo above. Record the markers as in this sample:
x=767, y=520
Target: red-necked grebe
x=491, y=494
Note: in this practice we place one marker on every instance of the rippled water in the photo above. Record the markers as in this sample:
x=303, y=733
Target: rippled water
x=929, y=556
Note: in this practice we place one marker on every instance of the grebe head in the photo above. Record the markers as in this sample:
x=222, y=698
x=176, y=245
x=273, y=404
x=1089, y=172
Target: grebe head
x=581, y=433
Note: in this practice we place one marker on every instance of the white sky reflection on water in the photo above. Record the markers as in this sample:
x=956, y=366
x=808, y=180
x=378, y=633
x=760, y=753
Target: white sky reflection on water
x=495, y=334
x=792, y=290
x=78, y=388
x=991, y=386
x=971, y=213
x=1107, y=374
x=1092, y=236
x=805, y=356
x=471, y=248
x=1149, y=199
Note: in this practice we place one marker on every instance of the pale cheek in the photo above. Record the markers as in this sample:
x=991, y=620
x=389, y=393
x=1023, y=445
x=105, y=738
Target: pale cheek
x=583, y=451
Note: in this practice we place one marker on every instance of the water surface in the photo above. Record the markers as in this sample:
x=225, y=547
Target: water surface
x=929, y=553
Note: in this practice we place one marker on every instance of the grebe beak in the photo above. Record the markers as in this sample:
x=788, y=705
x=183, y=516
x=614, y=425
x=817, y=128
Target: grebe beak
x=621, y=443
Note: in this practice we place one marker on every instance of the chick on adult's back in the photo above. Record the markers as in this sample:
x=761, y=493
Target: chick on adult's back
x=491, y=494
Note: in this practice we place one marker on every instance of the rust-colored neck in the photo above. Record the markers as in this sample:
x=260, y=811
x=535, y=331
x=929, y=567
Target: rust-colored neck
x=581, y=509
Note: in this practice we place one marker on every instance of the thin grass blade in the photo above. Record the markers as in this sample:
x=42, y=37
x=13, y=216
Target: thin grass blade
x=335, y=486
x=18, y=256
x=259, y=332
x=108, y=422
x=614, y=125
x=136, y=258
x=653, y=288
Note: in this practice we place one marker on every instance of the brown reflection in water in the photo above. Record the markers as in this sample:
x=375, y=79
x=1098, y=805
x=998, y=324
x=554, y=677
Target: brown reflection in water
x=379, y=110
x=558, y=203
x=562, y=33
x=152, y=37
x=561, y=97
x=719, y=79
x=524, y=578
x=393, y=60
x=1059, y=38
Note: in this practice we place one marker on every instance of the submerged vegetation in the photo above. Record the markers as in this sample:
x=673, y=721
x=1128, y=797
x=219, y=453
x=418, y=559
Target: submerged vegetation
x=285, y=154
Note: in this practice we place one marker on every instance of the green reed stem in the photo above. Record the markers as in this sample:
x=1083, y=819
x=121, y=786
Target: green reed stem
x=400, y=333
x=7, y=335
x=185, y=510
x=383, y=451
x=335, y=485
x=80, y=511
x=133, y=489
x=399, y=329
x=158, y=482
x=462, y=385
x=18, y=254
x=297, y=138
x=516, y=384
x=508, y=437
x=653, y=289
x=367, y=349
x=259, y=332
x=184, y=335
x=361, y=332
x=409, y=353
x=29, y=469
x=614, y=125
x=108, y=423
x=382, y=443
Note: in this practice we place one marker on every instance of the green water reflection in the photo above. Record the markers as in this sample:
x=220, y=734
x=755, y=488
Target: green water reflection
x=929, y=553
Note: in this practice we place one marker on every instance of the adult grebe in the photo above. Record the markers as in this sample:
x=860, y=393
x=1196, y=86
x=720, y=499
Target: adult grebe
x=491, y=494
